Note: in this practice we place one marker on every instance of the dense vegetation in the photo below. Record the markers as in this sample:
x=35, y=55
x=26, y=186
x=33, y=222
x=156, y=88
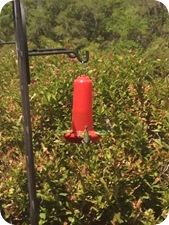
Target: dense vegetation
x=121, y=24
x=123, y=179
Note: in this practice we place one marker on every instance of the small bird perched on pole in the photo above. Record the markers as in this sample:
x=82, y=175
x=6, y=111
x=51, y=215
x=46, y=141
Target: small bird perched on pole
x=86, y=138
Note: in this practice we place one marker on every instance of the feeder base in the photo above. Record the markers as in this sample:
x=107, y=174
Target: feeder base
x=78, y=137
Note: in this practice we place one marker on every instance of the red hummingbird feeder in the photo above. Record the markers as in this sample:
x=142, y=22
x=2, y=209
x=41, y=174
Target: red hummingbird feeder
x=82, y=112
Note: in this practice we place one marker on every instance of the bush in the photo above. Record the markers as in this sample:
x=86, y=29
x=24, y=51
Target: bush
x=123, y=179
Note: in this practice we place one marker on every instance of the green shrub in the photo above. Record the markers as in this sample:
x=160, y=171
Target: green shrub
x=121, y=180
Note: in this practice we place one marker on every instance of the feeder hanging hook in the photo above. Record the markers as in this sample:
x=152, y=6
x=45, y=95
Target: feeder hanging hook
x=84, y=60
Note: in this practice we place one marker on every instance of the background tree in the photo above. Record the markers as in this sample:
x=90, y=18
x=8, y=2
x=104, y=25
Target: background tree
x=114, y=24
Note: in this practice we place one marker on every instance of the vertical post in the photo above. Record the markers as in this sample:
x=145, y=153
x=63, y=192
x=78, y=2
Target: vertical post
x=22, y=53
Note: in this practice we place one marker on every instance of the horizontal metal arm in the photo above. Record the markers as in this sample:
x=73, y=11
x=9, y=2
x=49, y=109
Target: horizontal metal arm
x=7, y=43
x=70, y=53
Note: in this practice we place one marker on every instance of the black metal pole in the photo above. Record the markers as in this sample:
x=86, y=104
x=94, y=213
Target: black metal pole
x=22, y=53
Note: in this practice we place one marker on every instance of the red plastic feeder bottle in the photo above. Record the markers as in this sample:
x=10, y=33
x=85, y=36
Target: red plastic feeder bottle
x=82, y=112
